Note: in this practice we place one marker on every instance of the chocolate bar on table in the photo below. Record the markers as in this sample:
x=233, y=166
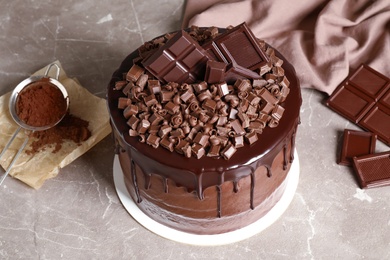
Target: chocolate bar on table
x=373, y=170
x=364, y=98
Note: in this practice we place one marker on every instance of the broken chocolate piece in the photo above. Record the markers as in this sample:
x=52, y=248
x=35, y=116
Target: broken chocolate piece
x=215, y=71
x=356, y=143
x=373, y=170
x=238, y=46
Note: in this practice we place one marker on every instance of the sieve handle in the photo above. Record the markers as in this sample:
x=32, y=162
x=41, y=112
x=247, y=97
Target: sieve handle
x=2, y=178
x=48, y=69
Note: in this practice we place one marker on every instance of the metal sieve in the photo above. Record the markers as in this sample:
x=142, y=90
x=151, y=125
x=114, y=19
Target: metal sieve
x=22, y=125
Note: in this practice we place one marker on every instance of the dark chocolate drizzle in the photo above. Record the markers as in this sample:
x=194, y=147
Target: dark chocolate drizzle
x=135, y=182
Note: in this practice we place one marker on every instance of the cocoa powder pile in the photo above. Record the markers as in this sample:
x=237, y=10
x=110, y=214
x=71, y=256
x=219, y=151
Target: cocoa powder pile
x=70, y=128
x=41, y=104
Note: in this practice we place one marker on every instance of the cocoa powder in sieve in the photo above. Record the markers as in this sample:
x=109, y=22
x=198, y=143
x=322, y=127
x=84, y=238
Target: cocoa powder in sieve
x=41, y=104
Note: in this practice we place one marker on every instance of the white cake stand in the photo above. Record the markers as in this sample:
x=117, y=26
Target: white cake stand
x=208, y=240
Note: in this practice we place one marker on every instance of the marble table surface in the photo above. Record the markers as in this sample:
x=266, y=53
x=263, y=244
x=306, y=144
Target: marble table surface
x=78, y=215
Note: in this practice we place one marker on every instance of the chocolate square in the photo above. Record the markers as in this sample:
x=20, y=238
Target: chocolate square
x=350, y=103
x=356, y=143
x=238, y=46
x=369, y=81
x=377, y=120
x=373, y=170
x=180, y=60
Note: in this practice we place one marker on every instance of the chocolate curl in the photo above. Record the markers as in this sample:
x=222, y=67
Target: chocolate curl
x=209, y=105
x=257, y=126
x=176, y=120
x=267, y=96
x=133, y=132
x=271, y=78
x=187, y=96
x=238, y=141
x=251, y=137
x=263, y=119
x=166, y=95
x=123, y=102
x=242, y=85
x=155, y=119
x=276, y=115
x=214, y=151
x=198, y=150
x=178, y=133
x=237, y=127
x=133, y=122
x=232, y=113
x=154, y=86
x=228, y=151
x=153, y=129
x=120, y=84
x=243, y=106
x=172, y=108
x=284, y=82
x=127, y=90
x=130, y=110
x=187, y=151
x=181, y=143
x=141, y=81
x=222, y=120
x=203, y=117
x=253, y=99
x=153, y=140
x=204, y=95
x=244, y=119
x=143, y=126
x=222, y=89
x=283, y=93
x=167, y=144
x=134, y=73
x=277, y=112
x=278, y=71
x=202, y=139
x=150, y=100
x=233, y=100
x=198, y=88
x=142, y=138
x=164, y=131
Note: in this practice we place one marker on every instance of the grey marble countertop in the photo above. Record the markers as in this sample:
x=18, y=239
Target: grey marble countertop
x=77, y=215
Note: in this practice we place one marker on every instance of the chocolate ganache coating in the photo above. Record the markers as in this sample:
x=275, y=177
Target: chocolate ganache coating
x=197, y=175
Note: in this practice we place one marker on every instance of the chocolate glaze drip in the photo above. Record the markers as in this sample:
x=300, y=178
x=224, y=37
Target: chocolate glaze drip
x=219, y=201
x=135, y=182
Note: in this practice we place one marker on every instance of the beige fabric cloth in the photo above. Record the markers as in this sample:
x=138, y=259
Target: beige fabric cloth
x=324, y=40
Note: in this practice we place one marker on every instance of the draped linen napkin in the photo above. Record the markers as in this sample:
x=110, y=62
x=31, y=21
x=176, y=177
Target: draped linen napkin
x=324, y=40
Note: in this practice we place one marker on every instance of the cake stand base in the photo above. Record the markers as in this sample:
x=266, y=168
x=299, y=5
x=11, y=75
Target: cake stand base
x=208, y=240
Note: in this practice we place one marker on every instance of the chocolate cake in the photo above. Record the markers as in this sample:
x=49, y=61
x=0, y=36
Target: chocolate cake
x=204, y=122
